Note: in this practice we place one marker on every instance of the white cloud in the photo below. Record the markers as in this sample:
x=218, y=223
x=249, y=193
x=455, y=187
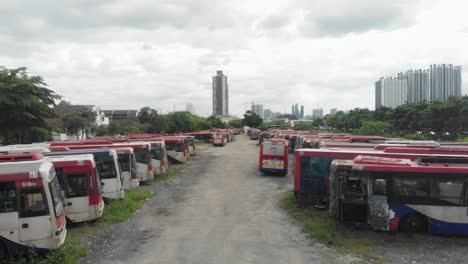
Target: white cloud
x=130, y=54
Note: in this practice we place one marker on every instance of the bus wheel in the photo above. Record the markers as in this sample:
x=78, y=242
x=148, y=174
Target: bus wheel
x=3, y=251
x=414, y=223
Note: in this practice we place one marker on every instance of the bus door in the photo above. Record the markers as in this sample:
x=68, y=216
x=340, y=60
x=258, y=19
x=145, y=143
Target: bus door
x=34, y=216
x=379, y=212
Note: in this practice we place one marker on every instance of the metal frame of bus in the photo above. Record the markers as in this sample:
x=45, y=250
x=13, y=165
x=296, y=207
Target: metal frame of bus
x=276, y=162
x=109, y=168
x=81, y=186
x=32, y=213
x=399, y=194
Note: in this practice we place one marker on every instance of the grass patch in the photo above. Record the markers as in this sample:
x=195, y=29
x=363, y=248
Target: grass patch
x=170, y=174
x=318, y=225
x=200, y=146
x=69, y=253
x=121, y=210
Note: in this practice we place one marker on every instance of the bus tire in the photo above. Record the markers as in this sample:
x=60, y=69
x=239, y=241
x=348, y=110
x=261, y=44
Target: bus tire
x=413, y=223
x=3, y=251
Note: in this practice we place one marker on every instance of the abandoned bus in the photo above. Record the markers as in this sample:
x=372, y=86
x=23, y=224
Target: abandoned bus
x=312, y=169
x=31, y=205
x=128, y=165
x=141, y=151
x=158, y=153
x=401, y=195
x=175, y=149
x=108, y=169
x=81, y=185
x=273, y=156
x=219, y=139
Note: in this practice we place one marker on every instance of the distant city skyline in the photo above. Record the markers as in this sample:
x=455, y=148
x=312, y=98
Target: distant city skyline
x=437, y=83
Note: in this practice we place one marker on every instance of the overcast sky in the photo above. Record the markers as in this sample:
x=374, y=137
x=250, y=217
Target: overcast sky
x=128, y=54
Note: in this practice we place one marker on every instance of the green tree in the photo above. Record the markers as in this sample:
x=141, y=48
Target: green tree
x=252, y=119
x=303, y=126
x=180, y=122
x=216, y=122
x=25, y=103
x=235, y=123
x=80, y=123
x=377, y=128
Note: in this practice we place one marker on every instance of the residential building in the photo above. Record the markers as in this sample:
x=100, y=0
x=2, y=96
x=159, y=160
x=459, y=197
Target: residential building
x=116, y=115
x=317, y=112
x=438, y=83
x=258, y=109
x=190, y=108
x=445, y=81
x=267, y=114
x=220, y=94
x=333, y=111
x=301, y=113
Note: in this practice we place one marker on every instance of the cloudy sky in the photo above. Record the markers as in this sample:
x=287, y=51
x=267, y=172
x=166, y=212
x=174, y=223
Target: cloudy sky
x=160, y=53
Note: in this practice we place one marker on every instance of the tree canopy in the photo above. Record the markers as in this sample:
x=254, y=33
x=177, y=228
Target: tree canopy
x=252, y=119
x=25, y=103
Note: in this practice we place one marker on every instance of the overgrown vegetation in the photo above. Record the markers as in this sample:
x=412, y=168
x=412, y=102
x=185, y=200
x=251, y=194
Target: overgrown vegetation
x=170, y=174
x=319, y=226
x=121, y=210
x=25, y=103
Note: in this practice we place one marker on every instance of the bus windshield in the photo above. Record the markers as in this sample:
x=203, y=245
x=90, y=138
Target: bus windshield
x=142, y=155
x=273, y=150
x=178, y=147
x=57, y=198
x=124, y=160
x=156, y=152
x=107, y=169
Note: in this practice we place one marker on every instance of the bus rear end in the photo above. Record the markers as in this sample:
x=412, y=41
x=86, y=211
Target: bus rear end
x=273, y=156
x=31, y=206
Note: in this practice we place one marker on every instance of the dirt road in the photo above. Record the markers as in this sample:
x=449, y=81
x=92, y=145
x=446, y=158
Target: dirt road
x=219, y=210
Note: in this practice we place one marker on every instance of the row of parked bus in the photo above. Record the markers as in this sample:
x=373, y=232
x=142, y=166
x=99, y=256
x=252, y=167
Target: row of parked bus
x=43, y=184
x=387, y=184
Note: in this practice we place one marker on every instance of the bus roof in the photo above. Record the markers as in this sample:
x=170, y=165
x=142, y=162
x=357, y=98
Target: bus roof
x=379, y=164
x=73, y=160
x=104, y=152
x=25, y=170
x=18, y=157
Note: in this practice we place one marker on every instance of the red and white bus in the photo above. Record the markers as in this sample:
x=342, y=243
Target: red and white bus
x=142, y=152
x=176, y=148
x=220, y=138
x=108, y=167
x=312, y=169
x=128, y=165
x=31, y=205
x=273, y=156
x=392, y=194
x=81, y=185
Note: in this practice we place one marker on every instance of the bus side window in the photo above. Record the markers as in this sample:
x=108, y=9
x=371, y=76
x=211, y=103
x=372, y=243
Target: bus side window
x=33, y=203
x=7, y=197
